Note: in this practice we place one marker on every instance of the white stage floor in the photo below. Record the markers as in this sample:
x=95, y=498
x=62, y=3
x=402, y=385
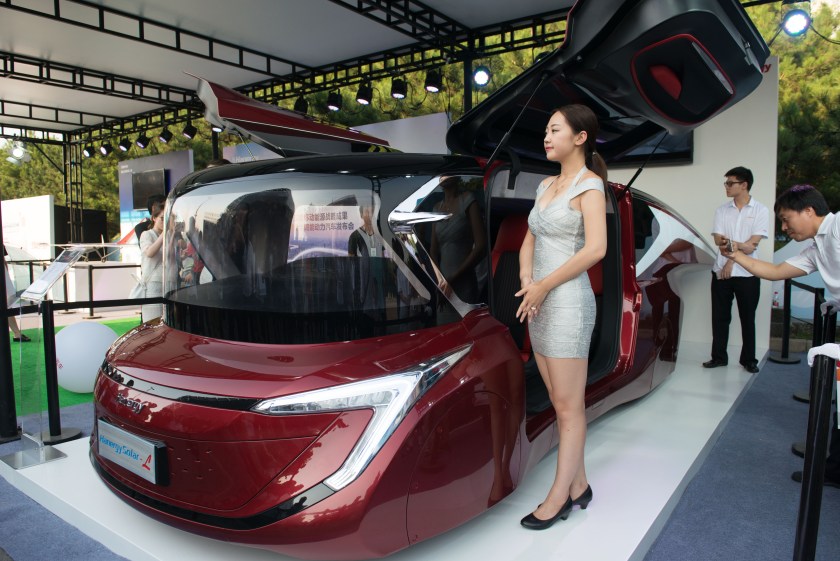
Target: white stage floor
x=639, y=459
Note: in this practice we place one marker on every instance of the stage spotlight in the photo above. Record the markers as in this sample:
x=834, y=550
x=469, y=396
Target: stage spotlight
x=190, y=131
x=433, y=81
x=334, y=101
x=142, y=140
x=796, y=22
x=398, y=88
x=301, y=105
x=124, y=144
x=18, y=151
x=18, y=154
x=165, y=135
x=365, y=94
x=105, y=148
x=481, y=76
x=88, y=151
x=216, y=128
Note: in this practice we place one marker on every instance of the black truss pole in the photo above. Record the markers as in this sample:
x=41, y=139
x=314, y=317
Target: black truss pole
x=8, y=416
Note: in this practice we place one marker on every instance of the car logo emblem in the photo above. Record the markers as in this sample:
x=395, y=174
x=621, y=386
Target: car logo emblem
x=134, y=404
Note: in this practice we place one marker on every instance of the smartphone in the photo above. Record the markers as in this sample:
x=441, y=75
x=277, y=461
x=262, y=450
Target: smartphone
x=729, y=247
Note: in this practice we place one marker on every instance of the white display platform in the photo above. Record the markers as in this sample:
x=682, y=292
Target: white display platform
x=639, y=459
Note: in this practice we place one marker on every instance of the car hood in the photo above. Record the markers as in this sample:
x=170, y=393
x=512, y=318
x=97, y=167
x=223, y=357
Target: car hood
x=644, y=66
x=280, y=130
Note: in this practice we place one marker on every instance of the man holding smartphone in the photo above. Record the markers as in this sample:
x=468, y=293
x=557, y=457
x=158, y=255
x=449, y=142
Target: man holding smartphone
x=804, y=215
x=740, y=224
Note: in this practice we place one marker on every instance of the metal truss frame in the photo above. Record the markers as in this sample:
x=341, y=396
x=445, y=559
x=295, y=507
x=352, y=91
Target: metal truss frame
x=30, y=134
x=531, y=32
x=35, y=112
x=125, y=25
x=440, y=41
x=42, y=71
x=420, y=22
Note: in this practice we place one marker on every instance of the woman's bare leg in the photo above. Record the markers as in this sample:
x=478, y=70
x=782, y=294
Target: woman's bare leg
x=566, y=381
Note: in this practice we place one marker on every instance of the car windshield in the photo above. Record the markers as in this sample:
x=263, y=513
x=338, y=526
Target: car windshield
x=295, y=258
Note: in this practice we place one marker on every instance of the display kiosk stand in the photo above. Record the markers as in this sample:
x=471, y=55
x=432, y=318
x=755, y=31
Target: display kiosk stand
x=35, y=442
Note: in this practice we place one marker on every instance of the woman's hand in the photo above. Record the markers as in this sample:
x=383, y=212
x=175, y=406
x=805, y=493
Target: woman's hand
x=533, y=295
x=445, y=287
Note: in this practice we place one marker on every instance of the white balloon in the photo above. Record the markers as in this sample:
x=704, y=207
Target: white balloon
x=79, y=351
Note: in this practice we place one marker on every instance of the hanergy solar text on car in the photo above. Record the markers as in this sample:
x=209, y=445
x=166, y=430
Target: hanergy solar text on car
x=325, y=405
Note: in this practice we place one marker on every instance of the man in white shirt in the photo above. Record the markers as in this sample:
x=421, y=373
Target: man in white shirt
x=804, y=215
x=743, y=221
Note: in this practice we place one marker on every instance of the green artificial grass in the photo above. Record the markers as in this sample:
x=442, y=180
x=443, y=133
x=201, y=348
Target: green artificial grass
x=29, y=358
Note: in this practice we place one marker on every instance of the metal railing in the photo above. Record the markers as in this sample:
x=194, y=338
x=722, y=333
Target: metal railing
x=819, y=298
x=91, y=267
x=47, y=308
x=816, y=444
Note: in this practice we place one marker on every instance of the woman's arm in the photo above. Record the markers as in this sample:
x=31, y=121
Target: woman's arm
x=150, y=249
x=526, y=260
x=593, y=206
x=479, y=243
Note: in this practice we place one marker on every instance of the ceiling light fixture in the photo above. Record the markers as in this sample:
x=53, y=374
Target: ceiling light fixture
x=165, y=135
x=398, y=88
x=796, y=22
x=88, y=151
x=434, y=83
x=142, y=140
x=334, y=101
x=18, y=154
x=301, y=105
x=365, y=95
x=105, y=148
x=481, y=76
x=189, y=131
x=124, y=144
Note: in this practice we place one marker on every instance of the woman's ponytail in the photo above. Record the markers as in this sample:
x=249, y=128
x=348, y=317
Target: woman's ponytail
x=596, y=163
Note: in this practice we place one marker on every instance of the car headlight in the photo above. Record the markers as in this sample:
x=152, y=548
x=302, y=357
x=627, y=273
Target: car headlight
x=390, y=397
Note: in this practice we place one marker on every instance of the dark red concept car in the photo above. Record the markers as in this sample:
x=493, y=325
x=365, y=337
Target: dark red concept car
x=311, y=389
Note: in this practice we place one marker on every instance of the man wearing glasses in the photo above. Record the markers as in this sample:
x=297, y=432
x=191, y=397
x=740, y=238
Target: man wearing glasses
x=744, y=222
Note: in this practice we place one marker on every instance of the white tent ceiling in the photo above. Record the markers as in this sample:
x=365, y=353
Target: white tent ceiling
x=66, y=65
x=44, y=43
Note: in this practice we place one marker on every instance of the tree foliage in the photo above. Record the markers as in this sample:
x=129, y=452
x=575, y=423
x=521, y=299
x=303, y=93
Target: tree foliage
x=809, y=101
x=809, y=117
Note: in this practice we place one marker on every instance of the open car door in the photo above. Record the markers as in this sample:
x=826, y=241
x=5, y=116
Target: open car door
x=286, y=132
x=643, y=66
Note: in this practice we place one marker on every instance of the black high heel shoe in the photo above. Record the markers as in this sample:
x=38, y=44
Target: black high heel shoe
x=533, y=523
x=584, y=499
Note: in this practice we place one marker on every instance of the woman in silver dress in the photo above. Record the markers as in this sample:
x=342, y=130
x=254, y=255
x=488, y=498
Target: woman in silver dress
x=567, y=235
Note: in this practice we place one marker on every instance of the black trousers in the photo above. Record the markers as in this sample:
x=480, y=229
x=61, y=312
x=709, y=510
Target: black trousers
x=745, y=291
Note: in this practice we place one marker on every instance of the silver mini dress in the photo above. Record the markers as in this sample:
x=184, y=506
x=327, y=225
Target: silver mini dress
x=563, y=326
